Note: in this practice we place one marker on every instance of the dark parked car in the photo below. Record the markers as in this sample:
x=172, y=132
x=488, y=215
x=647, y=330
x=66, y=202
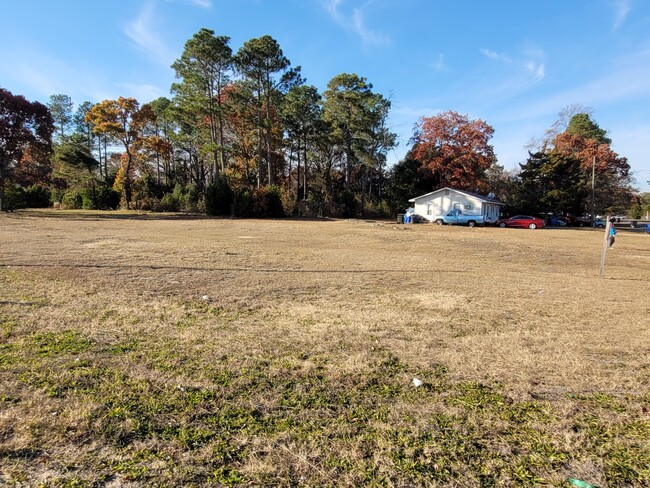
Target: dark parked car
x=524, y=221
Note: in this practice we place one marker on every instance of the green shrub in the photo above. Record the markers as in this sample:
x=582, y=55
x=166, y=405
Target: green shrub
x=169, y=203
x=15, y=197
x=87, y=200
x=37, y=197
x=56, y=195
x=218, y=198
x=106, y=197
x=349, y=204
x=241, y=206
x=72, y=199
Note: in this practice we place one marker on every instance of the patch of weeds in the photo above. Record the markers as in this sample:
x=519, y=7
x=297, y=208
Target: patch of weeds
x=124, y=347
x=134, y=468
x=233, y=418
x=622, y=444
x=628, y=467
x=17, y=476
x=541, y=449
x=131, y=469
x=523, y=475
x=340, y=464
x=71, y=482
x=390, y=367
x=7, y=326
x=524, y=412
x=188, y=320
x=477, y=396
x=601, y=400
x=636, y=429
x=226, y=476
x=52, y=344
x=57, y=383
x=169, y=357
x=379, y=387
x=9, y=400
x=6, y=354
x=596, y=434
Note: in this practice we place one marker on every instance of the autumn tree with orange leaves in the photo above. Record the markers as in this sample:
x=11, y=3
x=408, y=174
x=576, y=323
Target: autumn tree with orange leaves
x=124, y=120
x=558, y=177
x=454, y=150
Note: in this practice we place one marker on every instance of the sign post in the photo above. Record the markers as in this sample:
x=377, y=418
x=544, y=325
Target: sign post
x=605, y=246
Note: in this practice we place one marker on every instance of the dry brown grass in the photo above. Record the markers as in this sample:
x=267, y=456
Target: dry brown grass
x=97, y=306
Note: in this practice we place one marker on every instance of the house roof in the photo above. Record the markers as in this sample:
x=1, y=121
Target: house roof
x=482, y=198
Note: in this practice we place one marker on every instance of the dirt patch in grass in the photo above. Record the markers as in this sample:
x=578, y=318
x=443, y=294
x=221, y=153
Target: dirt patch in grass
x=148, y=350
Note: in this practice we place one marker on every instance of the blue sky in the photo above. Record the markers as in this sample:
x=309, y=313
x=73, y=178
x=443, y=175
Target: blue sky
x=513, y=63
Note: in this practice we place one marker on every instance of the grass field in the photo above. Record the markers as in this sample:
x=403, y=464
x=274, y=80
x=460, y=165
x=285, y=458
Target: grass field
x=169, y=351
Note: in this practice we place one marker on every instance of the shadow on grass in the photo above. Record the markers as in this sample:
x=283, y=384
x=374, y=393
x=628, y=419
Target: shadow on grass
x=99, y=215
x=105, y=215
x=232, y=269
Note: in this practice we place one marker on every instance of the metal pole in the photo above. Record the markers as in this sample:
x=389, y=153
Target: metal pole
x=593, y=191
x=604, y=251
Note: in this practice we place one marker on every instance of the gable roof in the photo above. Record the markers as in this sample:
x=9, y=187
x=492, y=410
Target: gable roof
x=482, y=198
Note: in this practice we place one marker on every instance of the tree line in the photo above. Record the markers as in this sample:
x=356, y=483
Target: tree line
x=243, y=134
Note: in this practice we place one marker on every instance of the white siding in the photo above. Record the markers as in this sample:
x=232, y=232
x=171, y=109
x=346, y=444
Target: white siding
x=443, y=201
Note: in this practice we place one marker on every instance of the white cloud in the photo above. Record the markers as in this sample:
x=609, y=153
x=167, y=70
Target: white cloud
x=38, y=79
x=628, y=82
x=368, y=36
x=206, y=4
x=489, y=54
x=440, y=64
x=537, y=70
x=141, y=32
x=355, y=22
x=622, y=9
x=332, y=7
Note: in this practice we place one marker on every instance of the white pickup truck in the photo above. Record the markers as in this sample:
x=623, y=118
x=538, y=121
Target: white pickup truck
x=457, y=217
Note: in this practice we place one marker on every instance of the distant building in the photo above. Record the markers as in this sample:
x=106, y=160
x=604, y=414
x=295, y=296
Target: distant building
x=439, y=202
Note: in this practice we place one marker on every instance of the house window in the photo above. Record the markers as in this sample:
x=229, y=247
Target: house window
x=456, y=206
x=429, y=209
x=446, y=192
x=468, y=206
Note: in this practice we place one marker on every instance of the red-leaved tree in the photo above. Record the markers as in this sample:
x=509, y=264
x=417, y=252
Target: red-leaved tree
x=454, y=150
x=24, y=126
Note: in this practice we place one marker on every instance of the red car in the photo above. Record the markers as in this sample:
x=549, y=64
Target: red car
x=521, y=221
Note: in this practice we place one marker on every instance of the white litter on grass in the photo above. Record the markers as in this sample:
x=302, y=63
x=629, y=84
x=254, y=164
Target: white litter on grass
x=417, y=382
x=206, y=298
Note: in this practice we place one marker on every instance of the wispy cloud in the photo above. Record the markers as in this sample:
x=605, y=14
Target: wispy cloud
x=530, y=59
x=488, y=53
x=141, y=32
x=438, y=65
x=354, y=21
x=622, y=9
x=206, y=4
x=37, y=79
x=623, y=83
x=537, y=70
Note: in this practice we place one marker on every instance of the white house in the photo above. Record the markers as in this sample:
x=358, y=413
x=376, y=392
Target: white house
x=439, y=202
